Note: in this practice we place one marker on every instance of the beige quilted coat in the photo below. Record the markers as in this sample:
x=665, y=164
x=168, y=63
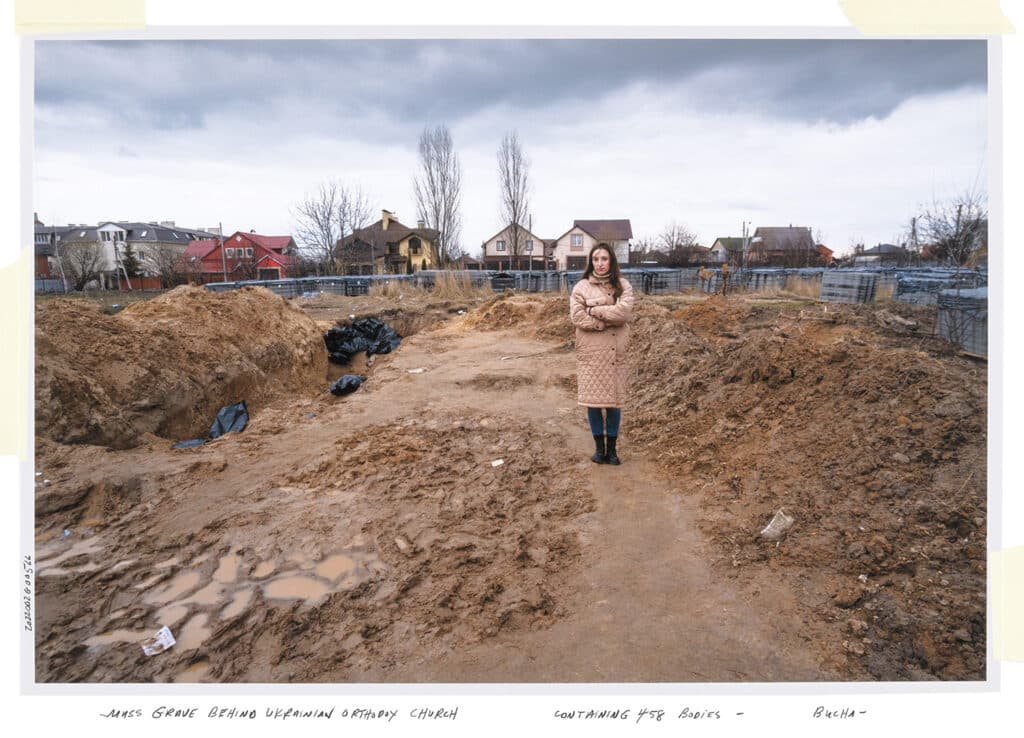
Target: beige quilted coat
x=602, y=336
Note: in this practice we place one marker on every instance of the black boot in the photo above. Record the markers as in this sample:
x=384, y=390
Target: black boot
x=599, y=457
x=611, y=457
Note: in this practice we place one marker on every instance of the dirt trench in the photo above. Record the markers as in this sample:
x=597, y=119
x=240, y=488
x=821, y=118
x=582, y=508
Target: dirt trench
x=445, y=523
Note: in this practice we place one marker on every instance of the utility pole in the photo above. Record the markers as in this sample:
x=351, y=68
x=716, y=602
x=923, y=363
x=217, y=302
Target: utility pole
x=223, y=258
x=746, y=245
x=530, y=221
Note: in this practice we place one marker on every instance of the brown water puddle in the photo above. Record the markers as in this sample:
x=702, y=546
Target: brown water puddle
x=211, y=594
x=237, y=605
x=264, y=569
x=194, y=633
x=335, y=566
x=117, y=636
x=193, y=674
x=171, y=614
x=295, y=588
x=182, y=584
x=227, y=570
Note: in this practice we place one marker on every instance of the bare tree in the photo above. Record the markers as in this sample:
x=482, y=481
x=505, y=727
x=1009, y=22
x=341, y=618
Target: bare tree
x=168, y=263
x=514, y=189
x=956, y=228
x=438, y=190
x=353, y=212
x=679, y=244
x=82, y=262
x=324, y=218
x=317, y=225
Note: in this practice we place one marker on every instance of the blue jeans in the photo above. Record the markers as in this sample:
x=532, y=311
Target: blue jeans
x=597, y=422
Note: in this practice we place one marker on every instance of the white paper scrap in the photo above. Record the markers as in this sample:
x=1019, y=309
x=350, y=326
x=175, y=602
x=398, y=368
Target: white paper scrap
x=159, y=642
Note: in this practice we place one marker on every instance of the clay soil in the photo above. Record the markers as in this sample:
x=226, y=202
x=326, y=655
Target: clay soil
x=444, y=523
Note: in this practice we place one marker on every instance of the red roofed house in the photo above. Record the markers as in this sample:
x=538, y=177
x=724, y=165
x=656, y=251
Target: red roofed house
x=245, y=256
x=573, y=246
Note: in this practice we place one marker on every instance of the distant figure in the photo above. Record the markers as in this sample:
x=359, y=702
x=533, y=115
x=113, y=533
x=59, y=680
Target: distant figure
x=725, y=277
x=601, y=306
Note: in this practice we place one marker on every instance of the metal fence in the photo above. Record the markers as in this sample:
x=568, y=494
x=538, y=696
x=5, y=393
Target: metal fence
x=962, y=318
x=920, y=285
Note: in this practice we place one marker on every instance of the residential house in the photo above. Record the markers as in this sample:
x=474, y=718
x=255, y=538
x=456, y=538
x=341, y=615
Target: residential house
x=727, y=249
x=884, y=254
x=825, y=254
x=47, y=240
x=244, y=256
x=572, y=247
x=388, y=247
x=498, y=250
x=782, y=246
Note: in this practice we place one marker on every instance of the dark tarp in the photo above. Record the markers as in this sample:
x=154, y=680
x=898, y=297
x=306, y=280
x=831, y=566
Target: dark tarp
x=230, y=419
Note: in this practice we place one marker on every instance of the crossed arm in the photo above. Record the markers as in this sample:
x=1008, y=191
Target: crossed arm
x=621, y=312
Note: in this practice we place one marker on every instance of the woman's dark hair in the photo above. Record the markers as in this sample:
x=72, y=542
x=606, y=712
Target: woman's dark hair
x=614, y=275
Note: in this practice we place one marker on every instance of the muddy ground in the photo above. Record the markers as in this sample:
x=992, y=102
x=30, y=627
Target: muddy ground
x=444, y=523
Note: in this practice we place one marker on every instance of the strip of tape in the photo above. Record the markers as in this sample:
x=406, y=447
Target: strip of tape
x=68, y=16
x=1007, y=603
x=15, y=299
x=927, y=17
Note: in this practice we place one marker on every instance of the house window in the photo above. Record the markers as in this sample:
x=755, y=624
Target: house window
x=529, y=246
x=230, y=253
x=143, y=234
x=577, y=240
x=82, y=234
x=142, y=254
x=500, y=246
x=248, y=251
x=414, y=245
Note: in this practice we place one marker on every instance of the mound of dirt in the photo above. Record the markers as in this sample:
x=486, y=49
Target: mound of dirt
x=877, y=448
x=541, y=316
x=167, y=365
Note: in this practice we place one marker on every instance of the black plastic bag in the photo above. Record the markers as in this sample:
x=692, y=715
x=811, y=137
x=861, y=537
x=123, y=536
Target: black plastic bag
x=347, y=384
x=366, y=334
x=230, y=419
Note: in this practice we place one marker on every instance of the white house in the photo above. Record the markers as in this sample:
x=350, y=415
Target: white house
x=573, y=246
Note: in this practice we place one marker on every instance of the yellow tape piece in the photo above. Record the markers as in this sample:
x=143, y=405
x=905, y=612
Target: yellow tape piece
x=1007, y=602
x=15, y=299
x=66, y=16
x=927, y=17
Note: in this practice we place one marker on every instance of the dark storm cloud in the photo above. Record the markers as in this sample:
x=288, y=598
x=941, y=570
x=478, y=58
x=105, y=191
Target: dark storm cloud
x=175, y=84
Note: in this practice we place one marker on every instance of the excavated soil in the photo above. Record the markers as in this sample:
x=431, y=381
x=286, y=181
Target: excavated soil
x=444, y=523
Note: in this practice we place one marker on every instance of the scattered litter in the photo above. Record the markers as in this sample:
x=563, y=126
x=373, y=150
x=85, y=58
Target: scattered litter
x=310, y=416
x=461, y=312
x=46, y=482
x=191, y=443
x=347, y=384
x=778, y=526
x=39, y=474
x=863, y=578
x=351, y=317
x=67, y=532
x=159, y=642
x=497, y=462
x=417, y=370
x=230, y=419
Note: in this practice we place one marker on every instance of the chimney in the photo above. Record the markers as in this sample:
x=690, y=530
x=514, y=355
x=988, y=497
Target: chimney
x=385, y=218
x=167, y=223
x=420, y=224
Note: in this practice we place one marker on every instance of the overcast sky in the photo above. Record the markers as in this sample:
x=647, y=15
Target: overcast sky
x=849, y=137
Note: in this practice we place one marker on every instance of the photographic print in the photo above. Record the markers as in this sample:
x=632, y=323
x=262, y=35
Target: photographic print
x=511, y=360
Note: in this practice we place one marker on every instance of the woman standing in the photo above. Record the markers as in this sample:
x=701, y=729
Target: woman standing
x=601, y=306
